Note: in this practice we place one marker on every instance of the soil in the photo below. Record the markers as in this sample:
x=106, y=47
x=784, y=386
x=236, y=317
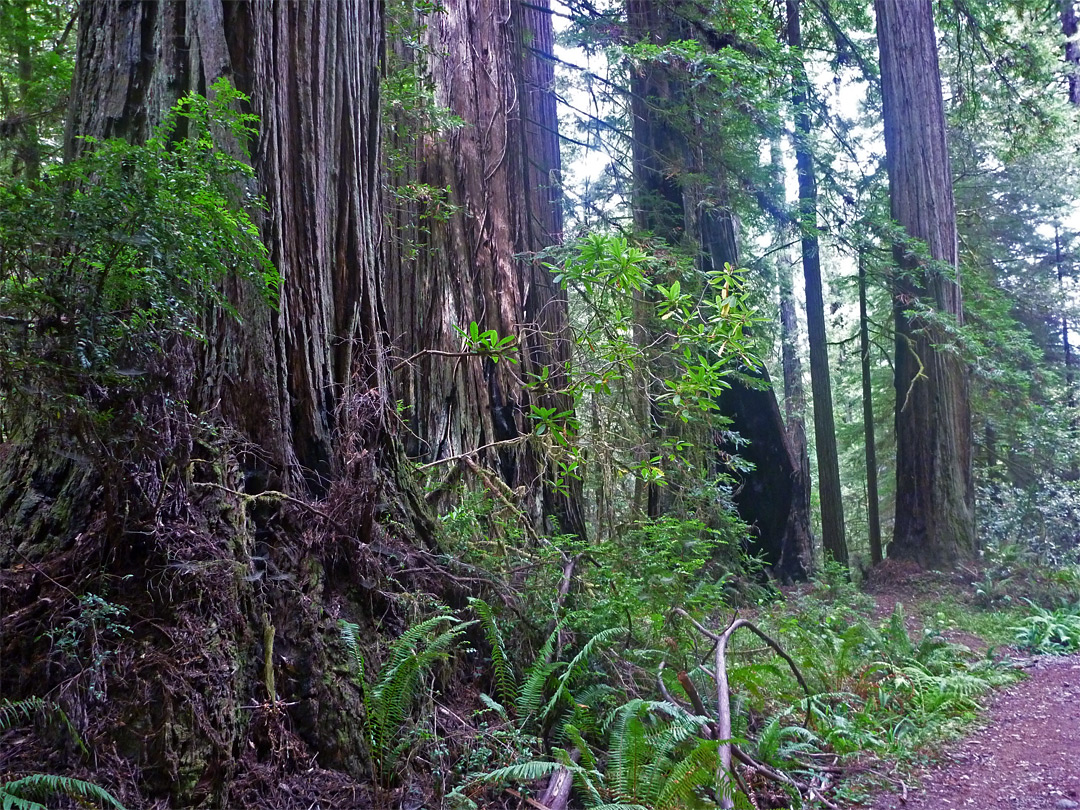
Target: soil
x=1026, y=756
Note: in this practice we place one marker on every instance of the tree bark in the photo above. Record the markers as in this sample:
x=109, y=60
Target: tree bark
x=473, y=260
x=663, y=204
x=935, y=490
x=830, y=494
x=1071, y=30
x=204, y=554
x=795, y=402
x=873, y=516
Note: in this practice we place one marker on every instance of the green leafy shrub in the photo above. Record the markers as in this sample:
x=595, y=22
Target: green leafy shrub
x=1050, y=631
x=114, y=257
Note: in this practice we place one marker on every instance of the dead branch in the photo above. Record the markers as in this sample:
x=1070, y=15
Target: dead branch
x=557, y=793
x=468, y=453
x=723, y=694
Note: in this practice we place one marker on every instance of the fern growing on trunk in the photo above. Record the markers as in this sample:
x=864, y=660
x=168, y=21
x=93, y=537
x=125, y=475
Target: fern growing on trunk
x=388, y=701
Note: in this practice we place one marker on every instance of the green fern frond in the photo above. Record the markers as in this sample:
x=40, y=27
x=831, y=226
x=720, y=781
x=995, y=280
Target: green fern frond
x=531, y=695
x=494, y=705
x=388, y=701
x=522, y=772
x=689, y=777
x=573, y=735
x=21, y=712
x=534, y=687
x=505, y=680
x=577, y=663
x=28, y=793
x=629, y=754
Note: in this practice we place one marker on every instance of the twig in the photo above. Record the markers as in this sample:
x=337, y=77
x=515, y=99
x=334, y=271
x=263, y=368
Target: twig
x=274, y=495
x=467, y=453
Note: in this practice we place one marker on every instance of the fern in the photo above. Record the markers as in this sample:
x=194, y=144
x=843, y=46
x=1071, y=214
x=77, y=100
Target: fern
x=505, y=681
x=21, y=712
x=779, y=744
x=537, y=675
x=657, y=757
x=388, y=702
x=30, y=792
x=562, y=692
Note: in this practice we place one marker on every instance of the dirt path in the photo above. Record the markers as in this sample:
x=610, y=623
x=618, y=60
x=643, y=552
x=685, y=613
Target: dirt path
x=1028, y=756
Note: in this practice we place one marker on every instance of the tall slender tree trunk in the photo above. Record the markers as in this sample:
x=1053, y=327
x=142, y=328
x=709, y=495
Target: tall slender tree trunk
x=28, y=150
x=829, y=491
x=468, y=258
x=873, y=501
x=1071, y=30
x=795, y=395
x=935, y=522
x=1066, y=345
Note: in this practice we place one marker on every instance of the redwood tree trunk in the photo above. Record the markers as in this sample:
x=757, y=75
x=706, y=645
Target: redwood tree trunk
x=831, y=496
x=934, y=487
x=873, y=500
x=205, y=565
x=768, y=499
x=468, y=259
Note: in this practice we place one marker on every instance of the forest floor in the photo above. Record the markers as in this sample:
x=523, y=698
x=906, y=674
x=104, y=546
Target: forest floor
x=1025, y=752
x=1026, y=756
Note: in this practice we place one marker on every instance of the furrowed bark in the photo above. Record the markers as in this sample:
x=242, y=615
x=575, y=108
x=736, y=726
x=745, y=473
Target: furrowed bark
x=469, y=259
x=935, y=490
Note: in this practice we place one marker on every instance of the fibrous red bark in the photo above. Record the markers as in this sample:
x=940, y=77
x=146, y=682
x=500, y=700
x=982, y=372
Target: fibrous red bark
x=469, y=256
x=934, y=489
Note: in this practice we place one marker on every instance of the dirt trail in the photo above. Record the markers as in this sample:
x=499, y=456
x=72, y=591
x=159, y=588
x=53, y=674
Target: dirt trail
x=1028, y=756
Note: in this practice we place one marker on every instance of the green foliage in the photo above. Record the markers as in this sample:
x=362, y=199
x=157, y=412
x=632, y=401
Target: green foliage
x=37, y=49
x=31, y=792
x=1050, y=631
x=112, y=258
x=642, y=572
x=86, y=637
x=389, y=699
x=655, y=758
x=505, y=681
x=655, y=342
x=21, y=712
x=487, y=343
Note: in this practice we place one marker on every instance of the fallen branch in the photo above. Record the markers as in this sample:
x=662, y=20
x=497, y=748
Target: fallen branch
x=723, y=695
x=557, y=793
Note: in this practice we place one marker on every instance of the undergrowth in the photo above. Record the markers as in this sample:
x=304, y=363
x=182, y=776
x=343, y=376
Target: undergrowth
x=634, y=725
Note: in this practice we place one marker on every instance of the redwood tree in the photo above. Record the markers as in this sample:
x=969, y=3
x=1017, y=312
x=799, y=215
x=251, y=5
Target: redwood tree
x=675, y=208
x=467, y=254
x=226, y=571
x=833, y=540
x=934, y=488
